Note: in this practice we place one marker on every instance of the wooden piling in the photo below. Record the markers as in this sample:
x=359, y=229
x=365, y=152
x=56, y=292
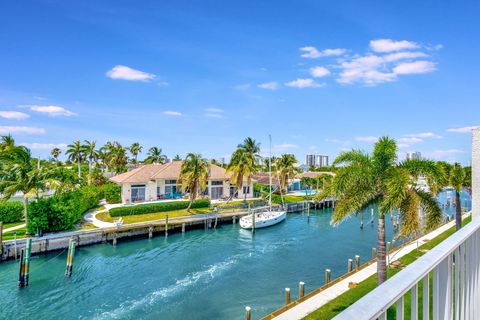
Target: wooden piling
x=393, y=244
x=357, y=262
x=371, y=216
x=349, y=265
x=1, y=238
x=15, y=245
x=374, y=253
x=327, y=276
x=28, y=251
x=150, y=232
x=388, y=247
x=253, y=222
x=70, y=255
x=287, y=296
x=166, y=225
x=248, y=314
x=301, y=289
x=21, y=271
x=234, y=220
x=183, y=227
x=361, y=220
x=114, y=240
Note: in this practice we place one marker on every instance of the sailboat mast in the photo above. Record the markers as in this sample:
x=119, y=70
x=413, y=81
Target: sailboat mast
x=270, y=172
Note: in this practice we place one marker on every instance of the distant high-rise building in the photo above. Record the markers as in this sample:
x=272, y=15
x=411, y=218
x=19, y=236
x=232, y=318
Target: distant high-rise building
x=414, y=155
x=316, y=160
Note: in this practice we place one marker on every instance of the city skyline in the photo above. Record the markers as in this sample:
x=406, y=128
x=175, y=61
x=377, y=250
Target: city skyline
x=190, y=77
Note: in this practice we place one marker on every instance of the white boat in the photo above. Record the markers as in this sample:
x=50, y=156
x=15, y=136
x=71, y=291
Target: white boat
x=267, y=218
x=263, y=219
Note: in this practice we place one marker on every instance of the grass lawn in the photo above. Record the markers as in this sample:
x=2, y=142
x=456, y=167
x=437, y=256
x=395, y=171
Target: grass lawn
x=290, y=199
x=337, y=305
x=236, y=202
x=12, y=224
x=9, y=235
x=105, y=216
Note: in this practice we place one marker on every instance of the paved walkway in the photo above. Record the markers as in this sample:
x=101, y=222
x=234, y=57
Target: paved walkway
x=14, y=228
x=308, y=306
x=91, y=217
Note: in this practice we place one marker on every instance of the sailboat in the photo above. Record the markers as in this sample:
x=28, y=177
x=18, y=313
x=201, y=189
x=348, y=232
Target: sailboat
x=267, y=218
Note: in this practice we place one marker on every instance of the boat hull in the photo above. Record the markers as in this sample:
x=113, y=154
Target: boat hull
x=263, y=220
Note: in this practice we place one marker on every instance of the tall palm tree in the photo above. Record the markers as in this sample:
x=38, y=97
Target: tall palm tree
x=155, y=156
x=55, y=153
x=135, y=149
x=177, y=158
x=7, y=143
x=75, y=154
x=457, y=181
x=251, y=146
x=378, y=179
x=194, y=175
x=90, y=153
x=115, y=156
x=285, y=169
x=242, y=167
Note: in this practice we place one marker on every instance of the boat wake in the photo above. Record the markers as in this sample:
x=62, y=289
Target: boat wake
x=162, y=294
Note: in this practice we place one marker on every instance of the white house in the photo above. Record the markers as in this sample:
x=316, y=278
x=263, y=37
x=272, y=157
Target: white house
x=160, y=181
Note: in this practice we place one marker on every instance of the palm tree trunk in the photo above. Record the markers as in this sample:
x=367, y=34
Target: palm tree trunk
x=190, y=204
x=79, y=170
x=25, y=208
x=458, y=210
x=381, y=257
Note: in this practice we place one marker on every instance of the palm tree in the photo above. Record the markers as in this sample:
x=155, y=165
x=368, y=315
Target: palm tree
x=194, y=175
x=378, y=179
x=7, y=143
x=135, y=149
x=285, y=169
x=242, y=166
x=155, y=156
x=90, y=153
x=457, y=179
x=177, y=158
x=251, y=146
x=19, y=173
x=75, y=154
x=115, y=156
x=55, y=153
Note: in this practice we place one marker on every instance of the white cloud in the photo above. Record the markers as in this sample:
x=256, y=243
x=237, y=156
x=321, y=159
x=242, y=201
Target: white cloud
x=172, y=113
x=214, y=110
x=424, y=135
x=127, y=73
x=403, y=145
x=404, y=55
x=415, y=67
x=284, y=147
x=462, y=130
x=369, y=139
x=388, y=45
x=319, y=72
x=369, y=70
x=448, y=154
x=21, y=130
x=43, y=146
x=53, y=111
x=213, y=115
x=312, y=52
x=409, y=140
x=304, y=83
x=13, y=115
x=273, y=85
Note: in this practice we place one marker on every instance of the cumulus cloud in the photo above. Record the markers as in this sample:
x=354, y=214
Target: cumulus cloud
x=215, y=113
x=312, y=52
x=43, y=146
x=130, y=74
x=409, y=140
x=369, y=139
x=319, y=72
x=172, y=113
x=21, y=130
x=273, y=85
x=462, y=129
x=13, y=115
x=414, y=67
x=304, y=83
x=53, y=111
x=389, y=45
x=424, y=135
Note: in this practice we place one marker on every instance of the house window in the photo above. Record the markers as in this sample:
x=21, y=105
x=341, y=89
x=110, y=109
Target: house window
x=246, y=190
x=170, y=181
x=137, y=192
x=217, y=183
x=216, y=192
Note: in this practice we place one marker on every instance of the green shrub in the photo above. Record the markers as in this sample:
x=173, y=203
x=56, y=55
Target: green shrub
x=112, y=193
x=61, y=211
x=157, y=207
x=11, y=211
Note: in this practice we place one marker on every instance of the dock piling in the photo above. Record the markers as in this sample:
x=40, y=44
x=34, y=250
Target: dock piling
x=183, y=227
x=166, y=225
x=248, y=315
x=70, y=255
x=371, y=217
x=287, y=296
x=374, y=253
x=25, y=264
x=234, y=220
x=388, y=246
x=21, y=272
x=301, y=289
x=15, y=245
x=357, y=262
x=1, y=238
x=150, y=232
x=327, y=276
x=114, y=240
x=349, y=265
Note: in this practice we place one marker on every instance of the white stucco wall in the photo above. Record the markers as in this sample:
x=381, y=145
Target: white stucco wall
x=476, y=173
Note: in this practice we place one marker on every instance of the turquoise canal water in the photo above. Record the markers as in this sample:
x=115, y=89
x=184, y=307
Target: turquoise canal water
x=210, y=274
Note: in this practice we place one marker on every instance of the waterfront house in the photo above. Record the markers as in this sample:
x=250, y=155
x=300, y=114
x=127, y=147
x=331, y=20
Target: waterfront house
x=160, y=181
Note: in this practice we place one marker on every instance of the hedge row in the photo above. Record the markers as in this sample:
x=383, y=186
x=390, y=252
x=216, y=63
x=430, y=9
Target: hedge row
x=11, y=211
x=157, y=207
x=63, y=210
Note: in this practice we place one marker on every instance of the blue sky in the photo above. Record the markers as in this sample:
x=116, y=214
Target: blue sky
x=202, y=75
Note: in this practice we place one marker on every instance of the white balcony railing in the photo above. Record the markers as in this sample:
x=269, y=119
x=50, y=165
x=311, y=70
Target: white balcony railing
x=454, y=266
